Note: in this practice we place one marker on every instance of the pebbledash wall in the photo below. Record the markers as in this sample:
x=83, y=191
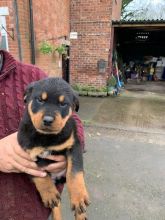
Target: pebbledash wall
x=51, y=23
x=91, y=26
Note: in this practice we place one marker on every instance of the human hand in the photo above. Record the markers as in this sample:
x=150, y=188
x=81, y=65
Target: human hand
x=58, y=168
x=14, y=159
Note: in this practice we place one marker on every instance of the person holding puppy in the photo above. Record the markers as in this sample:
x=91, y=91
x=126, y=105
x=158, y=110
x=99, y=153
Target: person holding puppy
x=19, y=198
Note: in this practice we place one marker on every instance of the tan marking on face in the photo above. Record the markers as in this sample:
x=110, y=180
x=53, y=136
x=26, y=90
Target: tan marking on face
x=61, y=98
x=76, y=187
x=47, y=190
x=36, y=118
x=66, y=145
x=44, y=96
x=59, y=122
x=57, y=125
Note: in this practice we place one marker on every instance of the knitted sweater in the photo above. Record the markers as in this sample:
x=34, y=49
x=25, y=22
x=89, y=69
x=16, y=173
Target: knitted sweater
x=19, y=199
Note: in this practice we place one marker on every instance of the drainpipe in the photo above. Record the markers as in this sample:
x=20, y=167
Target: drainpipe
x=17, y=29
x=32, y=37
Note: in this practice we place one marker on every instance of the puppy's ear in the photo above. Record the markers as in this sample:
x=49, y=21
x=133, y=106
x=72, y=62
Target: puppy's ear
x=75, y=102
x=28, y=92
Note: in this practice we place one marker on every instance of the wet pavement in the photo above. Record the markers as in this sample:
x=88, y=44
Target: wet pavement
x=148, y=86
x=144, y=111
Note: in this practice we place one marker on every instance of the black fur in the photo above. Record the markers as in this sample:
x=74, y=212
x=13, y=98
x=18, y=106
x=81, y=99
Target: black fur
x=48, y=126
x=29, y=137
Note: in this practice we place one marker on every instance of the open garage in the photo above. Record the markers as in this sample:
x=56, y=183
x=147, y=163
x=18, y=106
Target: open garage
x=140, y=49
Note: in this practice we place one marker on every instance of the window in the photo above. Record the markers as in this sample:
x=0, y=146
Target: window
x=4, y=43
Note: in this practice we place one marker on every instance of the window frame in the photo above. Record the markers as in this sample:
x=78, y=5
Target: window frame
x=3, y=32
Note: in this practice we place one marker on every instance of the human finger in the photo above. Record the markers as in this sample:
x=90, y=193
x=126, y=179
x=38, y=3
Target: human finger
x=30, y=171
x=57, y=158
x=25, y=163
x=19, y=151
x=14, y=171
x=55, y=167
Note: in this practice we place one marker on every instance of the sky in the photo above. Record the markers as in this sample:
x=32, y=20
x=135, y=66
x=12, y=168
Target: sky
x=147, y=9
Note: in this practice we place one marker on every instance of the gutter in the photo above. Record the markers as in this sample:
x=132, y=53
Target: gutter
x=32, y=37
x=17, y=29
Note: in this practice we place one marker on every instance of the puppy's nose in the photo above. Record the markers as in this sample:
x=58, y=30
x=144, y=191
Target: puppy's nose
x=47, y=120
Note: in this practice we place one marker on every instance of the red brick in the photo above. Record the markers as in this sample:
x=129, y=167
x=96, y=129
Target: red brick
x=51, y=22
x=91, y=19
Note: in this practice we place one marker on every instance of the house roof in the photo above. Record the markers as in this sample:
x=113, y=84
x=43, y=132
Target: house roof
x=149, y=22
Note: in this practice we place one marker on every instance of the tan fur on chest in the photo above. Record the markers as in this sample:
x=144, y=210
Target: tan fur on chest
x=36, y=151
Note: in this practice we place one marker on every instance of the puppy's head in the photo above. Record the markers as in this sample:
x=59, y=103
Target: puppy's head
x=50, y=104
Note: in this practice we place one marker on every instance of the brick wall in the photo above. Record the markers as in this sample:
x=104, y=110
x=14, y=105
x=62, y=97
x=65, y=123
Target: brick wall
x=116, y=12
x=51, y=23
x=91, y=19
x=23, y=17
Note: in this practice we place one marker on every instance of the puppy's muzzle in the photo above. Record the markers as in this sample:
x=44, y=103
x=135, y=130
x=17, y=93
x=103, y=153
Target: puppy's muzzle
x=48, y=120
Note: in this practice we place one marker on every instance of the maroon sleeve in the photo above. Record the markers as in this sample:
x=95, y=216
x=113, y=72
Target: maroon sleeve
x=80, y=130
x=39, y=74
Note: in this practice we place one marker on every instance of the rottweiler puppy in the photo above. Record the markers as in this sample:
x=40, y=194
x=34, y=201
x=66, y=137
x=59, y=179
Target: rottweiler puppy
x=48, y=126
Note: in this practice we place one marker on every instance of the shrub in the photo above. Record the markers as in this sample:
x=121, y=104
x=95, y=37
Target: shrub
x=46, y=48
x=112, y=82
x=62, y=49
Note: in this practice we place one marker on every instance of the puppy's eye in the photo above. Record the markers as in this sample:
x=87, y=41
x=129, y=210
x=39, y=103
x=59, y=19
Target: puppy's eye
x=40, y=100
x=63, y=104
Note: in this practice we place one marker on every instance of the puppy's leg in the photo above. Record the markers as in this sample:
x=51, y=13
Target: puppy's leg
x=57, y=212
x=76, y=184
x=48, y=191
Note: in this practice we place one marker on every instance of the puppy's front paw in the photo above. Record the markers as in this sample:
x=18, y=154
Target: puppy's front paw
x=48, y=191
x=80, y=201
x=82, y=216
x=50, y=197
x=78, y=194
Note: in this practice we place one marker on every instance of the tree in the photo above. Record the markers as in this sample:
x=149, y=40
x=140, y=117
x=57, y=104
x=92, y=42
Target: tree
x=143, y=10
x=125, y=3
x=124, y=12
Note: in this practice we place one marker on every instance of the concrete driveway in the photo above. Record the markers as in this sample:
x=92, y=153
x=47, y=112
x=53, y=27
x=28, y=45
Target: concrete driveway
x=125, y=159
x=133, y=111
x=125, y=177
